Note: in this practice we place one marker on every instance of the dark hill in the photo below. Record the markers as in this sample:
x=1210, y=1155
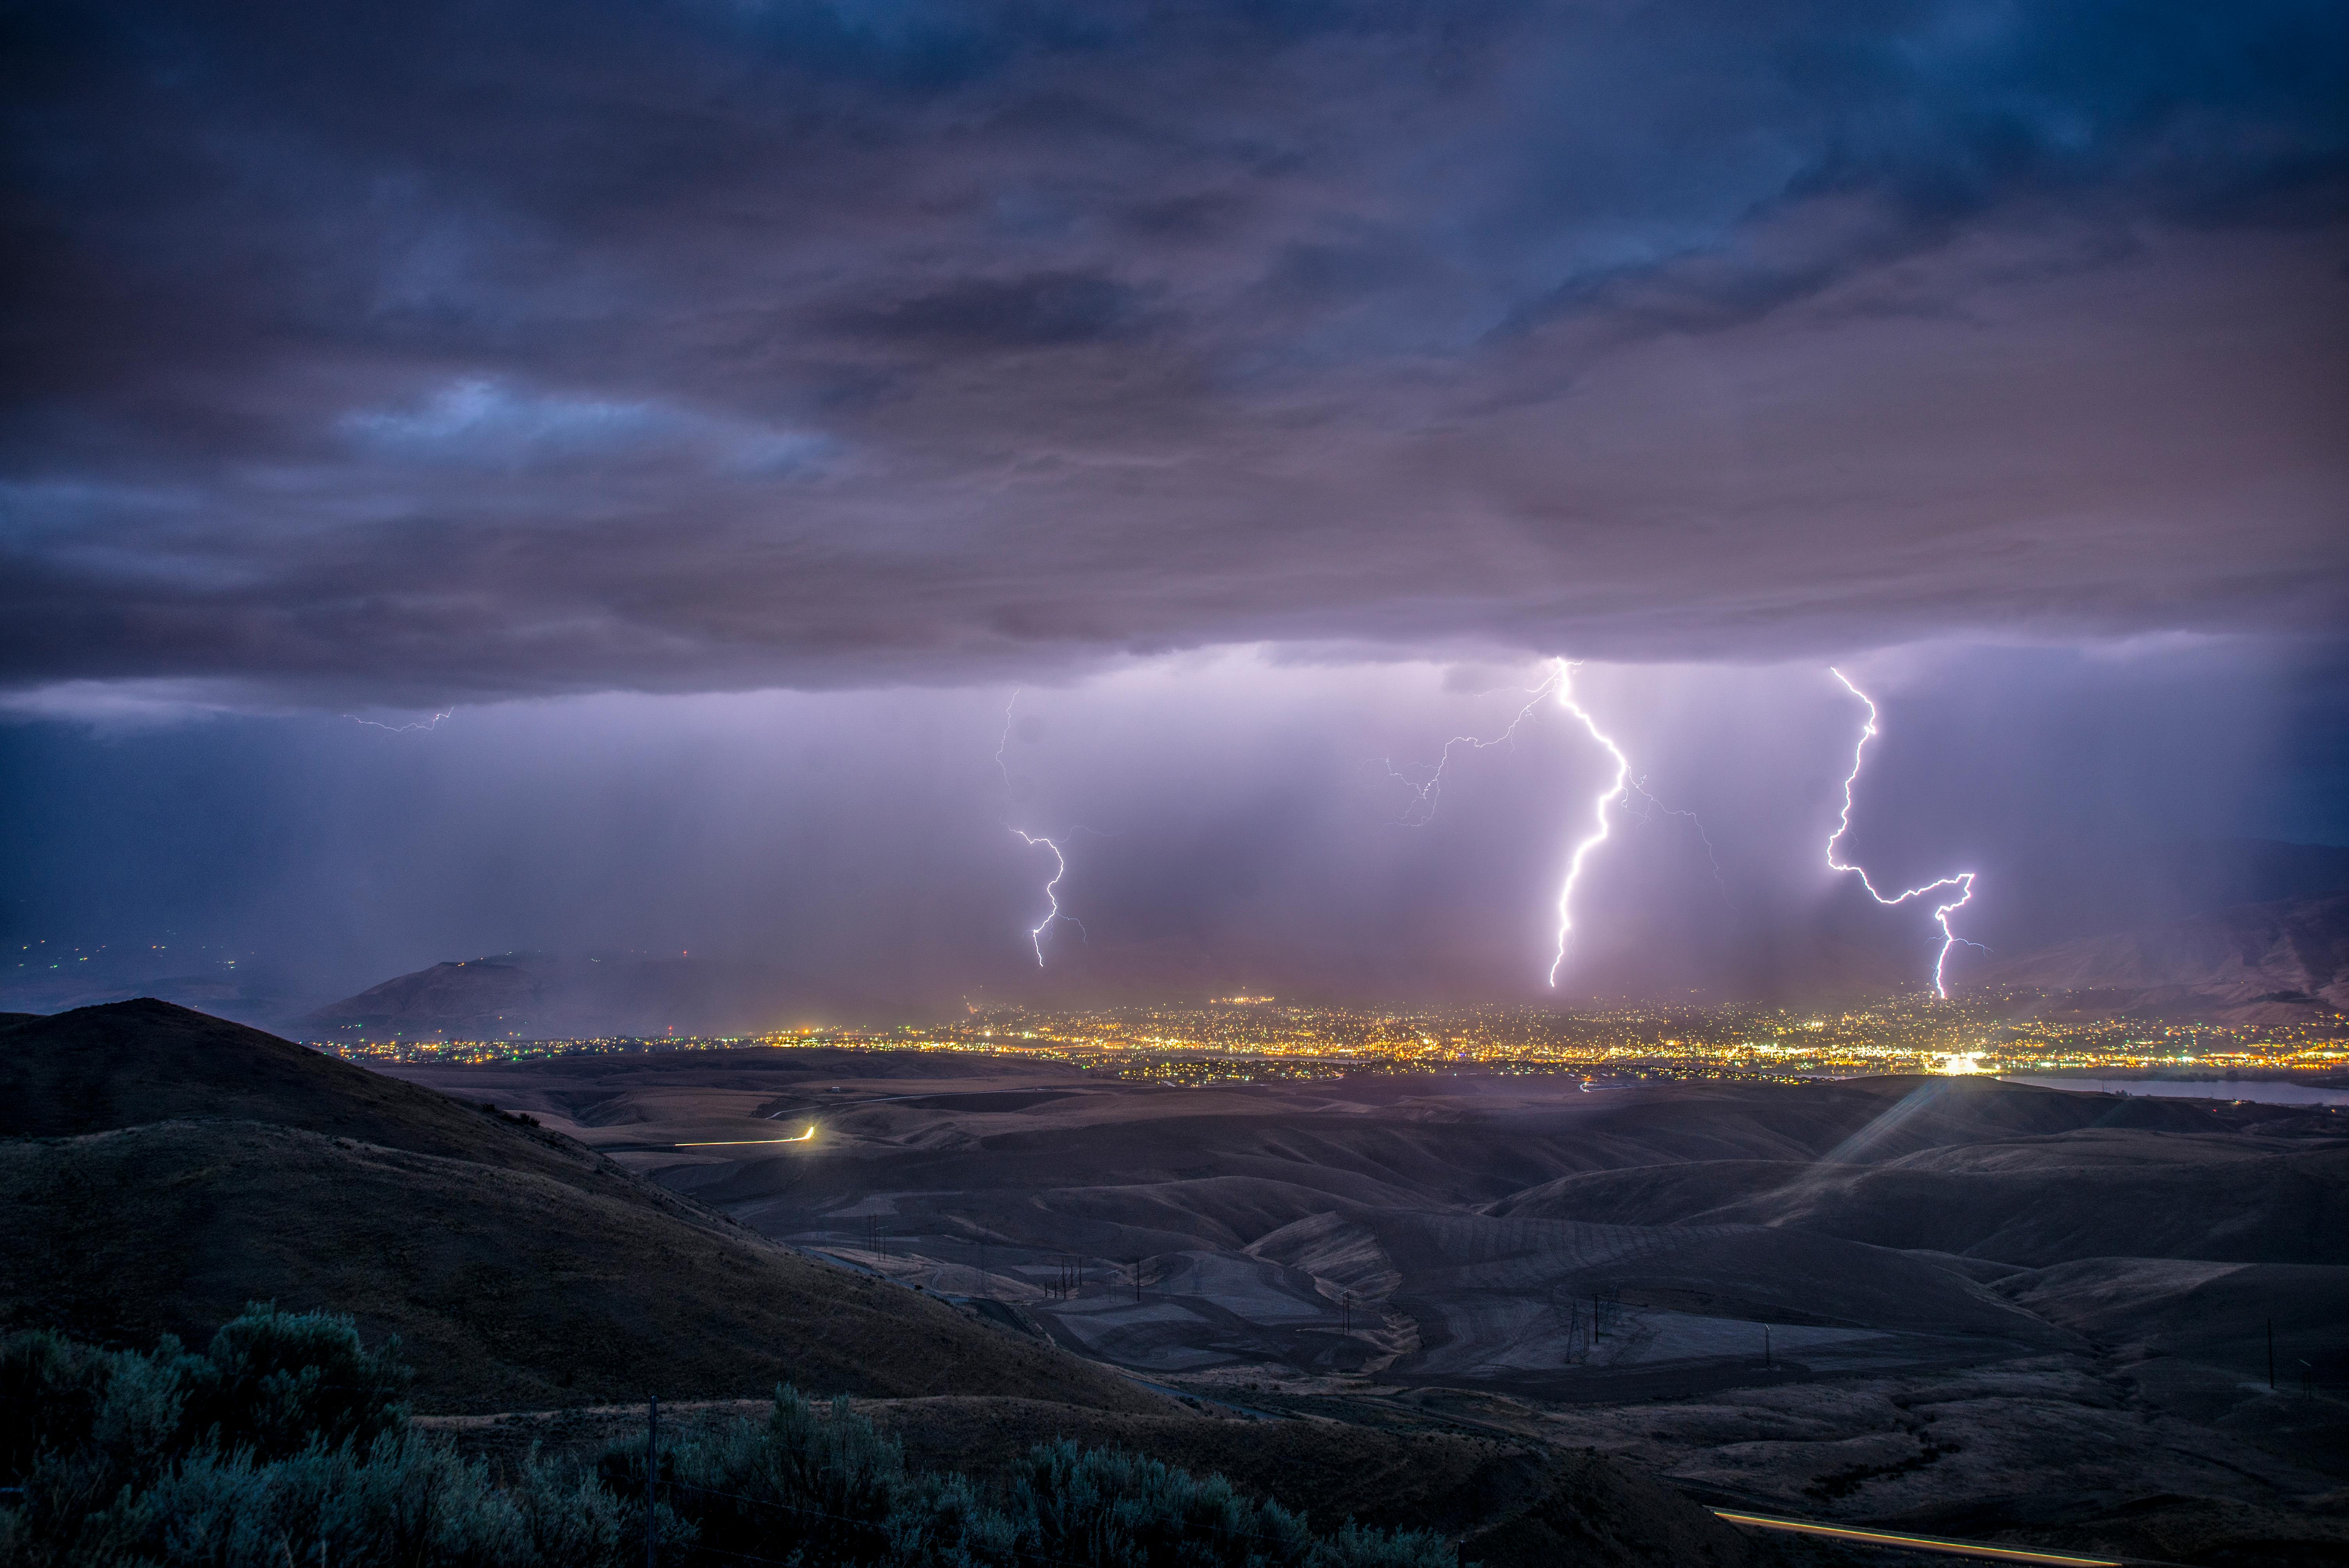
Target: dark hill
x=164, y=1168
x=508, y=1289
x=128, y=1063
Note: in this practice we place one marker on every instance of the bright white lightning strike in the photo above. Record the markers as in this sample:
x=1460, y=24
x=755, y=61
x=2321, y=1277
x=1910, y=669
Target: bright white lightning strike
x=1963, y=881
x=1059, y=870
x=1060, y=861
x=1614, y=791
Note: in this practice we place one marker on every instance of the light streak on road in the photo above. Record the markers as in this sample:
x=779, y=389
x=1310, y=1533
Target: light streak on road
x=1615, y=791
x=1941, y=1544
x=1962, y=881
x=739, y=1142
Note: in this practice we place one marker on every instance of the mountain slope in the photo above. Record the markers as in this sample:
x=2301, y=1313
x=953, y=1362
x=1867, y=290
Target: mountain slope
x=518, y=1266
x=507, y=1289
x=2253, y=962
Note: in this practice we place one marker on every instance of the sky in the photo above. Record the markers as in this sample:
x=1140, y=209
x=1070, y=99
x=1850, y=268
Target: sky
x=719, y=411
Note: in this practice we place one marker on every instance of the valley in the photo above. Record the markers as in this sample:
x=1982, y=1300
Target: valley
x=1943, y=1304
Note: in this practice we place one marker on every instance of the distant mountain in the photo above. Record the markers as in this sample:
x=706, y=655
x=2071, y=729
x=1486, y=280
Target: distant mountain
x=162, y=1168
x=538, y=995
x=2253, y=962
x=2035, y=895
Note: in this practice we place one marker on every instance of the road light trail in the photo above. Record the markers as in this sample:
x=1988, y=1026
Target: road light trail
x=1941, y=1544
x=739, y=1142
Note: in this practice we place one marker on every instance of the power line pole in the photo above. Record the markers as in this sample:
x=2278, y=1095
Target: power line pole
x=652, y=1472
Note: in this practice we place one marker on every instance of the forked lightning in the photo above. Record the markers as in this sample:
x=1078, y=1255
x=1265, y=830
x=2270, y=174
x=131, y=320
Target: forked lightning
x=1962, y=881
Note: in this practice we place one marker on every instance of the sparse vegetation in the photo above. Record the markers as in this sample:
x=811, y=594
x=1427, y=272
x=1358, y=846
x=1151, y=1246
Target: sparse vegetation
x=285, y=1443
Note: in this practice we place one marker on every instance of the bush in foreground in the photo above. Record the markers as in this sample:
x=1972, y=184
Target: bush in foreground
x=285, y=1444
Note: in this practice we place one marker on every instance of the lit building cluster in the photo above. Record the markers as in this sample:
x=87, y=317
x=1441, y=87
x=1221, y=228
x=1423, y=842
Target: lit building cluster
x=1257, y=1039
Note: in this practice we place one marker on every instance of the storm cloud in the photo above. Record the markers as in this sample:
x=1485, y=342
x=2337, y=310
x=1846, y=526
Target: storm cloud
x=412, y=355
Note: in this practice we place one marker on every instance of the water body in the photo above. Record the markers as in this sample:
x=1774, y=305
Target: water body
x=2266, y=1091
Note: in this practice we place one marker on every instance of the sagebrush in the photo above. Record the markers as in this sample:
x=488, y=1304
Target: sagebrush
x=285, y=1443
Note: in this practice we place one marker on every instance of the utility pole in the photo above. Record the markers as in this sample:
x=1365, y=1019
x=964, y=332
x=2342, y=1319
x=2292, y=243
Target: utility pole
x=1766, y=1347
x=652, y=1472
x=2271, y=1355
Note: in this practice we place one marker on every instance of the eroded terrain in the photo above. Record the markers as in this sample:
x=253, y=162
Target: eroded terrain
x=1937, y=1304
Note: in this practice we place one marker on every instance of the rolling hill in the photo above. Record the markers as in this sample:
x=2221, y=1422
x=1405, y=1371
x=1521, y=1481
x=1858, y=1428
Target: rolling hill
x=163, y=1168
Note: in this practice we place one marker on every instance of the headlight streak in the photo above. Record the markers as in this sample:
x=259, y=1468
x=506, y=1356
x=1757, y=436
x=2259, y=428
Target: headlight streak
x=1962, y=881
x=740, y=1142
x=1614, y=791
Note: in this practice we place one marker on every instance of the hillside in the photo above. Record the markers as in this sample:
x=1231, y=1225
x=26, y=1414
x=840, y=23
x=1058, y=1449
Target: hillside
x=2250, y=962
x=2032, y=1202
x=518, y=1266
x=540, y=995
x=508, y=1290
x=126, y=1064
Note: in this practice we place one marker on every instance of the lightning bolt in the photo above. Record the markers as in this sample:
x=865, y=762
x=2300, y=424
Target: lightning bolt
x=1004, y=741
x=1640, y=787
x=1422, y=809
x=1962, y=881
x=432, y=723
x=1615, y=791
x=1059, y=870
x=1060, y=861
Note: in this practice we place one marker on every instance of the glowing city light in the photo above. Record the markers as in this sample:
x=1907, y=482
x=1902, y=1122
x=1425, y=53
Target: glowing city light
x=1962, y=881
x=1615, y=791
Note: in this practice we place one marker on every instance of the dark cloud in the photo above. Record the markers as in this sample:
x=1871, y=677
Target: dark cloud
x=418, y=353
x=1036, y=311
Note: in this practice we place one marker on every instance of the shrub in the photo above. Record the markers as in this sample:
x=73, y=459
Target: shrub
x=277, y=1383
x=285, y=1445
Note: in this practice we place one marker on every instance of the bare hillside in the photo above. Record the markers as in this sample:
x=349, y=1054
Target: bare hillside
x=2250, y=962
